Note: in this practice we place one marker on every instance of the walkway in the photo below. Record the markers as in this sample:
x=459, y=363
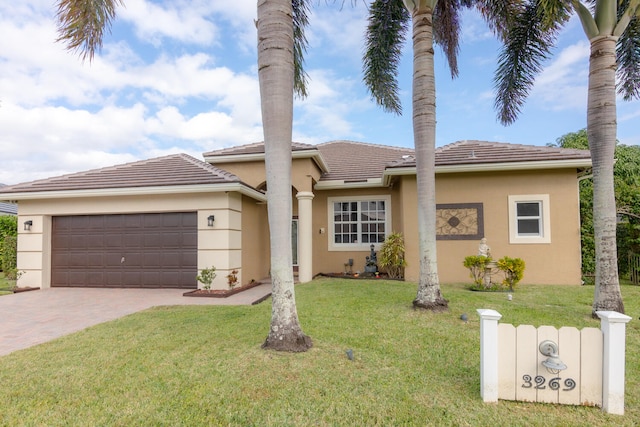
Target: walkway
x=30, y=318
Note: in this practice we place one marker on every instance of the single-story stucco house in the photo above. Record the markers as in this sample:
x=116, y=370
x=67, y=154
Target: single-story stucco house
x=157, y=222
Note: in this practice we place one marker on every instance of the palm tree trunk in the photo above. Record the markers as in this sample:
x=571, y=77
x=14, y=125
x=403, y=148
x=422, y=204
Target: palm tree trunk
x=424, y=134
x=601, y=133
x=276, y=76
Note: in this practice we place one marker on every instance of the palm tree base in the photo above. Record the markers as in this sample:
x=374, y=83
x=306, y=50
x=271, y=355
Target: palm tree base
x=440, y=305
x=294, y=342
x=616, y=306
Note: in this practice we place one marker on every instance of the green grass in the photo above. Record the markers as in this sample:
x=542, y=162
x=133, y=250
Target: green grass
x=5, y=286
x=202, y=365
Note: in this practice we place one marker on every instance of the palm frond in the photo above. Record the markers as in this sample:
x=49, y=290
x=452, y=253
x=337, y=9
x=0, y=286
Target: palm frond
x=553, y=12
x=446, y=32
x=385, y=35
x=498, y=14
x=82, y=23
x=628, y=56
x=528, y=45
x=300, y=43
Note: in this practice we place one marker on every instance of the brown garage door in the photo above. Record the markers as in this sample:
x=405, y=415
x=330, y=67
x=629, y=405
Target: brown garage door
x=137, y=251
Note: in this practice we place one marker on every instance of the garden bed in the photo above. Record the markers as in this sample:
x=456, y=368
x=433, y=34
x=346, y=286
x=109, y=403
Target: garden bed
x=360, y=276
x=26, y=289
x=220, y=293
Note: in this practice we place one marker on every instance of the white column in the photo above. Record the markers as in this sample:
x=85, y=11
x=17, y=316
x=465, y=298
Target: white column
x=489, y=354
x=613, y=325
x=305, y=233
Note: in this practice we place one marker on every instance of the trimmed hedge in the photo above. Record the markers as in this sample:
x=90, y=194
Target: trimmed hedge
x=8, y=228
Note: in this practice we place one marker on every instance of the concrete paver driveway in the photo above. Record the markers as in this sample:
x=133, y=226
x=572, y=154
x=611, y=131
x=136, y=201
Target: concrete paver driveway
x=31, y=318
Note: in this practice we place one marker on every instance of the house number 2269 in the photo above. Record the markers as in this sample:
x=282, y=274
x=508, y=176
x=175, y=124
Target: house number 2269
x=554, y=383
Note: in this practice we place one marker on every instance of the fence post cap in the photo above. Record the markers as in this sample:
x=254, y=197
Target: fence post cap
x=613, y=316
x=489, y=314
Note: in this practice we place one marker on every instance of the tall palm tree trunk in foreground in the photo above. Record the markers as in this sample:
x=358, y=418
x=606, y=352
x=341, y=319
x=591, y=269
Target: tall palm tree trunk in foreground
x=276, y=76
x=424, y=134
x=601, y=133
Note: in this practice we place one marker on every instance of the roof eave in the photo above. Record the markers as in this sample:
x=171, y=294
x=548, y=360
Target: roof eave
x=136, y=191
x=313, y=154
x=493, y=167
x=340, y=184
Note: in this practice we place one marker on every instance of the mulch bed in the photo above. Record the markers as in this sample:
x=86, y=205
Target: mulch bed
x=26, y=289
x=361, y=276
x=219, y=293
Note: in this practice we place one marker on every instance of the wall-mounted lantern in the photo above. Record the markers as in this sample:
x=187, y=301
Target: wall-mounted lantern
x=553, y=363
x=27, y=225
x=210, y=220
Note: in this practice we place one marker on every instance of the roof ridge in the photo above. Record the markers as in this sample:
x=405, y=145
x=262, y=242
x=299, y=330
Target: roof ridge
x=508, y=145
x=367, y=144
x=208, y=166
x=234, y=149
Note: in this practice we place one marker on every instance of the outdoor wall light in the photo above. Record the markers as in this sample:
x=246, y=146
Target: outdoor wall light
x=27, y=225
x=210, y=220
x=553, y=363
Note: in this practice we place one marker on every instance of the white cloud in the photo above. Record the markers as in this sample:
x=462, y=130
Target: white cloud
x=563, y=83
x=337, y=30
x=176, y=20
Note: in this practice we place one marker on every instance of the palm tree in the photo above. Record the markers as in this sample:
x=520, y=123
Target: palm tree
x=432, y=21
x=281, y=44
x=613, y=30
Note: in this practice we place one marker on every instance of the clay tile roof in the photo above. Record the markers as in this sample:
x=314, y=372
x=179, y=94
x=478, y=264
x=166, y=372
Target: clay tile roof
x=483, y=152
x=175, y=169
x=358, y=161
x=255, y=148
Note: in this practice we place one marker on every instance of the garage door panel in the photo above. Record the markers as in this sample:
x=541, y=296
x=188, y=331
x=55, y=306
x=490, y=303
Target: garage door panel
x=93, y=279
x=113, y=278
x=112, y=259
x=134, y=221
x=113, y=241
x=159, y=250
x=133, y=240
x=151, y=240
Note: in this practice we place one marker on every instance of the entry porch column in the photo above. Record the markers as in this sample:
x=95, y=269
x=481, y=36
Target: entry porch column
x=305, y=233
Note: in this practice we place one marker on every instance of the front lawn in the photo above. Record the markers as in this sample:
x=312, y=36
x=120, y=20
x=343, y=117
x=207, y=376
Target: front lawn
x=202, y=365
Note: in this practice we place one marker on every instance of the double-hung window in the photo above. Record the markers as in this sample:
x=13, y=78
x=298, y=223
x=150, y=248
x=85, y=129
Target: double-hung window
x=356, y=223
x=529, y=219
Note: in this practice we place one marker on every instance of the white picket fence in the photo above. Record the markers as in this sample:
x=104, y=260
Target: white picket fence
x=511, y=362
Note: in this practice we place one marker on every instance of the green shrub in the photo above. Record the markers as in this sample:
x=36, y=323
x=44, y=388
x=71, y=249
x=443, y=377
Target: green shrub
x=206, y=277
x=9, y=256
x=391, y=256
x=513, y=269
x=477, y=265
x=8, y=227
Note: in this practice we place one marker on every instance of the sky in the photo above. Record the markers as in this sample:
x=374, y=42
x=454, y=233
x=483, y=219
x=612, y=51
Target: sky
x=180, y=76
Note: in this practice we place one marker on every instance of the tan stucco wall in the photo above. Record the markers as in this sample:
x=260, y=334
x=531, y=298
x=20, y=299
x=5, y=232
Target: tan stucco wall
x=558, y=262
x=220, y=245
x=255, y=240
x=304, y=173
x=326, y=261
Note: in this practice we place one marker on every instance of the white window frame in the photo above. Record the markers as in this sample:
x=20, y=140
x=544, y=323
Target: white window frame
x=545, y=218
x=356, y=246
